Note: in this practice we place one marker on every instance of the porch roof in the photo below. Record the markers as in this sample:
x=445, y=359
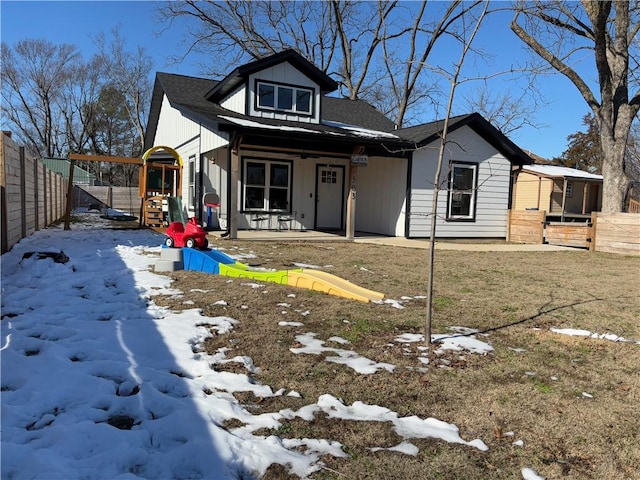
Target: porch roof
x=556, y=171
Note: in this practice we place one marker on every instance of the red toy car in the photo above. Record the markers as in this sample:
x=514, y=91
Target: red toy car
x=191, y=236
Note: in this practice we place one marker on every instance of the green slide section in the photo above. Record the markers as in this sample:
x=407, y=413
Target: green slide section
x=175, y=210
x=239, y=270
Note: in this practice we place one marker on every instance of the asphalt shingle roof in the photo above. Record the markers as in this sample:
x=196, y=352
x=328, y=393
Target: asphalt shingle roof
x=428, y=132
x=189, y=94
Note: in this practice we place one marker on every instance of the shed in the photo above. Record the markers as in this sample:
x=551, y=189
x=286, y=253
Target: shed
x=62, y=166
x=563, y=192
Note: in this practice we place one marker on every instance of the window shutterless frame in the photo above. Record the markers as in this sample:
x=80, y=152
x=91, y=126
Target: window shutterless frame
x=266, y=185
x=280, y=97
x=192, y=181
x=461, y=195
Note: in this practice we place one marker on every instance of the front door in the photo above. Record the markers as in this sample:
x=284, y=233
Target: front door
x=329, y=197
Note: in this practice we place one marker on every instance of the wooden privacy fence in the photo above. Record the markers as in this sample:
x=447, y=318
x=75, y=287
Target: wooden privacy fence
x=616, y=233
x=569, y=234
x=612, y=233
x=33, y=196
x=525, y=226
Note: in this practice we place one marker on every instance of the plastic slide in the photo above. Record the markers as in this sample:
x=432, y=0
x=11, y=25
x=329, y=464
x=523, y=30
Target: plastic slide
x=175, y=213
x=216, y=262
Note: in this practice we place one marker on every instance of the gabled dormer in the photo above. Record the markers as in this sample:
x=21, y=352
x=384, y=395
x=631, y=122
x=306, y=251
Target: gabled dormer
x=284, y=86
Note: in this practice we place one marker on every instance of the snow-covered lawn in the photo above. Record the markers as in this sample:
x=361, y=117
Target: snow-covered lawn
x=99, y=382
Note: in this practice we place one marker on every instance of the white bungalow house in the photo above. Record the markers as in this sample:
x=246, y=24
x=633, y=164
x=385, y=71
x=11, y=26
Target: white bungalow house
x=278, y=152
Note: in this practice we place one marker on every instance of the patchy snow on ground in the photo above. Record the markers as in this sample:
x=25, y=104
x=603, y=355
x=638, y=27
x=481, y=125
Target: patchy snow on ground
x=99, y=382
x=529, y=474
x=574, y=332
x=463, y=340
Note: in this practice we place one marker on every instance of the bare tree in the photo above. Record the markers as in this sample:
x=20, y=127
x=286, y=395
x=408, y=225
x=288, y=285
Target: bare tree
x=240, y=31
x=633, y=158
x=58, y=103
x=506, y=110
x=80, y=93
x=341, y=37
x=357, y=43
x=128, y=73
x=454, y=80
x=406, y=67
x=559, y=33
x=34, y=74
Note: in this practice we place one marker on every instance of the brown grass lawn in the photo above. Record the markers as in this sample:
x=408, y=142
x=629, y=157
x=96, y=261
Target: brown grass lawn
x=534, y=394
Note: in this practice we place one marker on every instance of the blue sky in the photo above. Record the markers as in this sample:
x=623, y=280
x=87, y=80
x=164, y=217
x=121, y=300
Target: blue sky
x=77, y=22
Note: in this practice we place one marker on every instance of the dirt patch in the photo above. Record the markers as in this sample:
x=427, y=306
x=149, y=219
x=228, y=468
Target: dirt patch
x=568, y=403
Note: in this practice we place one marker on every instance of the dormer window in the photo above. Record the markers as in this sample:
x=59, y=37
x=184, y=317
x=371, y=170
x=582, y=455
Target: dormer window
x=284, y=98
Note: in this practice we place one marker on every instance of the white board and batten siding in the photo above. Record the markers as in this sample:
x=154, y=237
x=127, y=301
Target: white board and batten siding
x=189, y=138
x=284, y=73
x=381, y=200
x=236, y=100
x=492, y=195
x=174, y=128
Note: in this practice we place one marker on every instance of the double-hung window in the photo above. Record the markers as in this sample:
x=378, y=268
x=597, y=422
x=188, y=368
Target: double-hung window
x=192, y=181
x=267, y=185
x=284, y=98
x=461, y=204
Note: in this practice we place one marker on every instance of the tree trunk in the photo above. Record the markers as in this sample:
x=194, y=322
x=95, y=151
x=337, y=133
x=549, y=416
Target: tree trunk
x=612, y=32
x=615, y=184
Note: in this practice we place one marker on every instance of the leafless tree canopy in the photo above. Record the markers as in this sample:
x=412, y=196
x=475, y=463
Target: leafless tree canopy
x=128, y=73
x=57, y=103
x=508, y=111
x=563, y=35
x=35, y=76
x=360, y=44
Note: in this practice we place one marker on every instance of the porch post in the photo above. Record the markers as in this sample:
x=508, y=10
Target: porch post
x=584, y=197
x=233, y=190
x=564, y=197
x=350, y=232
x=351, y=203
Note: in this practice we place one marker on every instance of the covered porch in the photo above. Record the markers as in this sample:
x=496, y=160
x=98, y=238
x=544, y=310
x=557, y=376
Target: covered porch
x=287, y=181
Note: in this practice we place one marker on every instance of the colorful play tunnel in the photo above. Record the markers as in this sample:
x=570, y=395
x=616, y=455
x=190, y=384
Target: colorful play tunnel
x=215, y=262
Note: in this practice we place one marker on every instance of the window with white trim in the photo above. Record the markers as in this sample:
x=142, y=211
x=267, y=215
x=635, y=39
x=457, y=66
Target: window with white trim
x=192, y=181
x=284, y=98
x=266, y=185
x=461, y=203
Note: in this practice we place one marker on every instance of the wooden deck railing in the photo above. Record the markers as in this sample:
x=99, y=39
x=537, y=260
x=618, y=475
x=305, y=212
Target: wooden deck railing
x=634, y=206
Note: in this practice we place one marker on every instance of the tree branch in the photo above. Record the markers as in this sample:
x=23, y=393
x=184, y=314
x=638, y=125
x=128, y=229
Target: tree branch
x=555, y=62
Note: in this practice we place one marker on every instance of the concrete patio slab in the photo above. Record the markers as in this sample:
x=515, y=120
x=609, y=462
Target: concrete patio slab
x=316, y=236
